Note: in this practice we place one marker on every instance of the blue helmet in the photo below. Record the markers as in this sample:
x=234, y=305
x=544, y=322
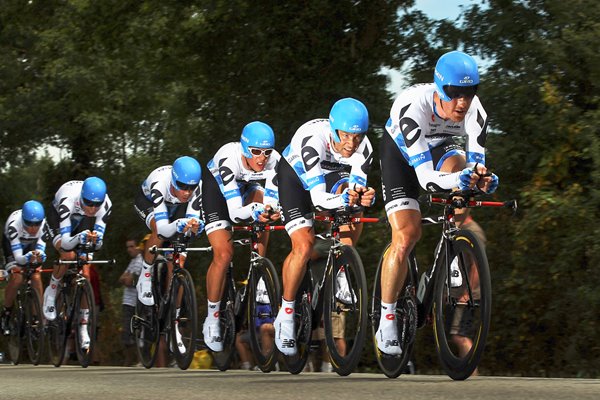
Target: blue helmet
x=455, y=69
x=186, y=173
x=256, y=134
x=32, y=213
x=348, y=115
x=93, y=191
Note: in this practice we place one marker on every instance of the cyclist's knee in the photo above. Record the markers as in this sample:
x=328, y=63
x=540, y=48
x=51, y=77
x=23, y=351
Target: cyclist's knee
x=302, y=246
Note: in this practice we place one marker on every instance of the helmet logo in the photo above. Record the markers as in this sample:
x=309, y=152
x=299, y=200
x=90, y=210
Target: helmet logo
x=439, y=75
x=355, y=128
x=466, y=79
x=245, y=139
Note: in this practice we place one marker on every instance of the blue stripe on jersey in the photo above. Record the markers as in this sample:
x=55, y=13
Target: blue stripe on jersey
x=317, y=180
x=192, y=216
x=473, y=157
x=41, y=247
x=271, y=193
x=230, y=194
x=64, y=230
x=287, y=150
x=16, y=247
x=358, y=180
x=99, y=228
x=419, y=159
x=449, y=154
x=160, y=216
x=211, y=164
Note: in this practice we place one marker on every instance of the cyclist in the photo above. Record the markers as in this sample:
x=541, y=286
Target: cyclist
x=169, y=203
x=78, y=216
x=22, y=243
x=419, y=148
x=325, y=165
x=233, y=193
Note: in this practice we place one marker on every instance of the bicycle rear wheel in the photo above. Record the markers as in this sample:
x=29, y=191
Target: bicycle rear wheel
x=34, y=326
x=57, y=330
x=462, y=312
x=227, y=325
x=85, y=355
x=146, y=331
x=263, y=296
x=184, y=319
x=345, y=310
x=303, y=323
x=15, y=340
x=406, y=319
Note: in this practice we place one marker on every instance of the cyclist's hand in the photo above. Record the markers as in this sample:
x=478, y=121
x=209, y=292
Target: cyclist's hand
x=273, y=212
x=196, y=226
x=367, y=196
x=85, y=237
x=488, y=184
x=350, y=197
x=30, y=256
x=182, y=225
x=41, y=256
x=258, y=209
x=99, y=240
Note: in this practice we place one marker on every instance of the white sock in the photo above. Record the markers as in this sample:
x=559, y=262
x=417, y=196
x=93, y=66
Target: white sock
x=54, y=282
x=386, y=309
x=84, y=313
x=286, y=306
x=213, y=309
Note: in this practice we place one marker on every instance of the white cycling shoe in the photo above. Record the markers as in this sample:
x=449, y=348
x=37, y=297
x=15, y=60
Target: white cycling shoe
x=212, y=334
x=387, y=336
x=144, y=288
x=455, y=275
x=84, y=337
x=179, y=340
x=284, y=332
x=49, y=305
x=343, y=293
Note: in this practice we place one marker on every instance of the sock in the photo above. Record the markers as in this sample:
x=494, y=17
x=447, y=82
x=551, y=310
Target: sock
x=387, y=309
x=54, y=282
x=213, y=309
x=85, y=315
x=146, y=266
x=288, y=307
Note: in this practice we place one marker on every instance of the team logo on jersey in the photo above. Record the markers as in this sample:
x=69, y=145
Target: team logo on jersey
x=156, y=196
x=12, y=232
x=410, y=131
x=63, y=210
x=310, y=156
x=226, y=175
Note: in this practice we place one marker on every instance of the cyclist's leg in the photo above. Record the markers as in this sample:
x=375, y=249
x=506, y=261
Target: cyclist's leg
x=400, y=191
x=10, y=293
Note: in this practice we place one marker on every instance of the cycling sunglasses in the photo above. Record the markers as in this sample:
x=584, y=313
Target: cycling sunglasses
x=456, y=92
x=185, y=186
x=257, y=152
x=32, y=223
x=89, y=203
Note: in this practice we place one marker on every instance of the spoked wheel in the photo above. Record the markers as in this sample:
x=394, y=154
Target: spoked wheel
x=34, y=325
x=227, y=325
x=15, y=340
x=146, y=330
x=406, y=319
x=462, y=306
x=303, y=321
x=57, y=330
x=263, y=296
x=345, y=310
x=184, y=324
x=85, y=327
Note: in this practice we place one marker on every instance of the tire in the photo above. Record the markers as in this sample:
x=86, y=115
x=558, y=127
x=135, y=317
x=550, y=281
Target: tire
x=85, y=356
x=347, y=320
x=58, y=329
x=406, y=318
x=186, y=320
x=146, y=331
x=303, y=322
x=265, y=355
x=227, y=323
x=462, y=312
x=15, y=340
x=34, y=326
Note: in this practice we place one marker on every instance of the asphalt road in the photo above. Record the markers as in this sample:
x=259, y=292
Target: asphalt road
x=113, y=383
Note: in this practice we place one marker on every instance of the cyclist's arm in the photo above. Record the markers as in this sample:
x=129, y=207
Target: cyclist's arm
x=226, y=176
x=271, y=189
x=68, y=241
x=15, y=245
x=361, y=162
x=312, y=154
x=476, y=129
x=102, y=216
x=164, y=228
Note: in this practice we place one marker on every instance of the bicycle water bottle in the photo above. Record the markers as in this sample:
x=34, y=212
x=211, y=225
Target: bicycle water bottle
x=422, y=286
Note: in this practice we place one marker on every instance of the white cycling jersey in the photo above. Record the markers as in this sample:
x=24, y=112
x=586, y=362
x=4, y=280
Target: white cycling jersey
x=67, y=203
x=311, y=155
x=157, y=188
x=416, y=127
x=19, y=238
x=230, y=173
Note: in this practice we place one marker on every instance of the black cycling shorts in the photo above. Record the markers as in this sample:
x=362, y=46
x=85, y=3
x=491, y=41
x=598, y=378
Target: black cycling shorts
x=214, y=205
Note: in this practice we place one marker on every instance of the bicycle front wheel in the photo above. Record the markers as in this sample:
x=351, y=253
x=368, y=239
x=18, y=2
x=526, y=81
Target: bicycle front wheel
x=263, y=296
x=15, y=340
x=406, y=319
x=345, y=310
x=85, y=328
x=57, y=330
x=146, y=331
x=303, y=325
x=462, y=306
x=184, y=324
x=34, y=326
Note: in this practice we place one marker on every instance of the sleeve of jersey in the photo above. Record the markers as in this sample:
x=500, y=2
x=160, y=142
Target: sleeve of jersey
x=67, y=242
x=193, y=208
x=271, y=188
x=420, y=156
x=41, y=244
x=361, y=165
x=231, y=192
x=476, y=128
x=315, y=178
x=161, y=217
x=102, y=216
x=17, y=251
